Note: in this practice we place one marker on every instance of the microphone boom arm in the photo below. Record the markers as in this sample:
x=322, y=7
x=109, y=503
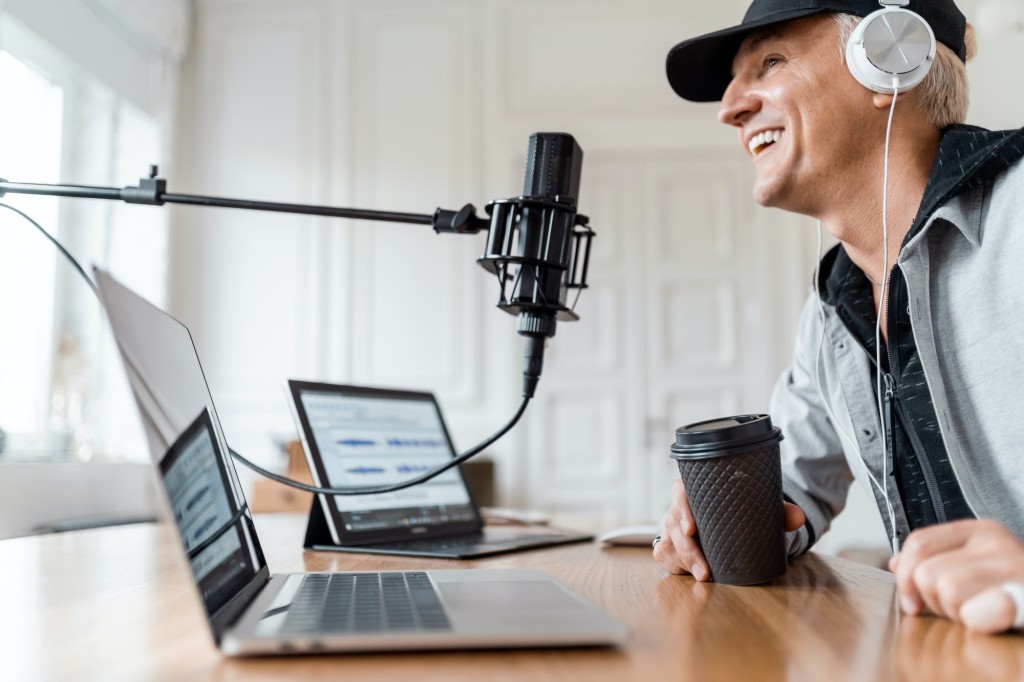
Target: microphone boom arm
x=539, y=236
x=152, y=191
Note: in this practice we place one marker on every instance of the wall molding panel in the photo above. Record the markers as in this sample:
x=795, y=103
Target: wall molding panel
x=414, y=154
x=408, y=105
x=242, y=280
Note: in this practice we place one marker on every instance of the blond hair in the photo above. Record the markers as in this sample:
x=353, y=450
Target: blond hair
x=944, y=91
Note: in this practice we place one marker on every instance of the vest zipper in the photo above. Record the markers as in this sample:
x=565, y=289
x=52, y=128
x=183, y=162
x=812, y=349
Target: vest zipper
x=894, y=404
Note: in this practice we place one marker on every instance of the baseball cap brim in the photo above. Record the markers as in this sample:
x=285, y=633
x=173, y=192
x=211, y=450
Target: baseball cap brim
x=700, y=69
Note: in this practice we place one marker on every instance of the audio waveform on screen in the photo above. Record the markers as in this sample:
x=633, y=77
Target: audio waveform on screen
x=364, y=470
x=414, y=443
x=199, y=533
x=197, y=498
x=411, y=468
x=393, y=443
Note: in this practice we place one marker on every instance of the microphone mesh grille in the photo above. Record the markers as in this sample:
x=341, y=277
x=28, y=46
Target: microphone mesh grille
x=552, y=166
x=531, y=182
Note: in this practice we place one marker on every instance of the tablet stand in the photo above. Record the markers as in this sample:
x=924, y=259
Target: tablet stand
x=318, y=534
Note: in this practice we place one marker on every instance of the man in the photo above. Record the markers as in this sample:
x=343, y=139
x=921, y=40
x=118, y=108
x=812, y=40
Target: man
x=934, y=431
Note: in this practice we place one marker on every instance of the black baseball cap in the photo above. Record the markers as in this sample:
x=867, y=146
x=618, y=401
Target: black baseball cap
x=700, y=69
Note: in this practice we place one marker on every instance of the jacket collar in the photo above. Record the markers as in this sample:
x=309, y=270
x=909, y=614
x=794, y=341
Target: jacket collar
x=968, y=158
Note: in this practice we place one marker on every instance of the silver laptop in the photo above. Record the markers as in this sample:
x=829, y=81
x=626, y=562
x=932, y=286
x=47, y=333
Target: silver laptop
x=252, y=612
x=359, y=436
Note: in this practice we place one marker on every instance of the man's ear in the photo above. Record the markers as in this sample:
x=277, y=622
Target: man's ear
x=881, y=101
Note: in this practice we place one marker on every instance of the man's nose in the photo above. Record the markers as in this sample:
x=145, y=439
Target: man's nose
x=737, y=104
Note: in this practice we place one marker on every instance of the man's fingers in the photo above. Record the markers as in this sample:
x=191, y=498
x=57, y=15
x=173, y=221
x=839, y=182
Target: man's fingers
x=677, y=551
x=795, y=517
x=946, y=581
x=920, y=546
x=990, y=611
x=665, y=554
x=689, y=553
x=679, y=554
x=664, y=548
x=681, y=504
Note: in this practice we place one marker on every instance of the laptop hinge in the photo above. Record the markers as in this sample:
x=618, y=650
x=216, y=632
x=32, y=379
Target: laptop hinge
x=227, y=615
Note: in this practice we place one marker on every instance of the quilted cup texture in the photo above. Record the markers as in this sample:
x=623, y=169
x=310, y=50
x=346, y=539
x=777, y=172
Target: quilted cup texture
x=737, y=505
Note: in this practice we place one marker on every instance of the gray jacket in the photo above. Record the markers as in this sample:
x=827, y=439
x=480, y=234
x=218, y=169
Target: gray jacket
x=966, y=293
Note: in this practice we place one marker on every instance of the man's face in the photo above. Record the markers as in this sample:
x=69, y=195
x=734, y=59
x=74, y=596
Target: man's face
x=799, y=113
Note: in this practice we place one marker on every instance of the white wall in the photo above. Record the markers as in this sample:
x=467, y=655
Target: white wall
x=412, y=104
x=996, y=100
x=408, y=105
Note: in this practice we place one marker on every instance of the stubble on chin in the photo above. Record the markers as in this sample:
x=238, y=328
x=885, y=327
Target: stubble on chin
x=765, y=194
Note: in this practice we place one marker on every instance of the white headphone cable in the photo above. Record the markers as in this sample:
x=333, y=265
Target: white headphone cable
x=882, y=306
x=883, y=487
x=824, y=396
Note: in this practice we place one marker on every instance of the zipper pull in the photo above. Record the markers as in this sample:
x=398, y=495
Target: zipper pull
x=890, y=392
x=887, y=459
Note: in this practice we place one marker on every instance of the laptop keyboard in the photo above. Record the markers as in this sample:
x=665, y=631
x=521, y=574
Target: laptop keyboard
x=365, y=603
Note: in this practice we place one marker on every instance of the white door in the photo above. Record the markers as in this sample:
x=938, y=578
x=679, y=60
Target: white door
x=411, y=104
x=676, y=329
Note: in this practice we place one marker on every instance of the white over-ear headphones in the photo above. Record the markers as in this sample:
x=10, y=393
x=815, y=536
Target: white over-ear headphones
x=892, y=47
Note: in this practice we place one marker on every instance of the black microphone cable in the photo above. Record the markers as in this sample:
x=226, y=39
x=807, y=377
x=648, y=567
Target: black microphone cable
x=356, y=490
x=368, y=490
x=60, y=247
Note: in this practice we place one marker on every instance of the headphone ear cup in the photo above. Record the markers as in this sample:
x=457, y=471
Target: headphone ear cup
x=892, y=47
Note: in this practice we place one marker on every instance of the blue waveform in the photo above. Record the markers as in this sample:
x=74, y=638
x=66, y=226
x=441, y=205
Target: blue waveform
x=411, y=468
x=357, y=442
x=413, y=443
x=203, y=527
x=365, y=470
x=197, y=498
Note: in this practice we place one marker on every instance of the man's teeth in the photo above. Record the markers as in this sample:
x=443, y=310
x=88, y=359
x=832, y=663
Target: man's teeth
x=762, y=140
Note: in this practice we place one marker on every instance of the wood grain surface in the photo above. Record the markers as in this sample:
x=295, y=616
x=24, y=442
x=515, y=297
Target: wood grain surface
x=117, y=604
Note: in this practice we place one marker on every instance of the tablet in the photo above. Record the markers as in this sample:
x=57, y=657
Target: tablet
x=361, y=436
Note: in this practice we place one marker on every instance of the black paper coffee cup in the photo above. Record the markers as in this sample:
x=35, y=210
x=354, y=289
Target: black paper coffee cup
x=732, y=471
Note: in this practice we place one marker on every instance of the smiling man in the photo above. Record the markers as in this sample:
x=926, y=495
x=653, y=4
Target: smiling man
x=909, y=360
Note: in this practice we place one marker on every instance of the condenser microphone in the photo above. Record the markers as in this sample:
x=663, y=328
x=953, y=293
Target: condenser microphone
x=539, y=246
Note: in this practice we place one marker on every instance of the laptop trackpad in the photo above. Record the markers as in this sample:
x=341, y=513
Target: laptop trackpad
x=511, y=604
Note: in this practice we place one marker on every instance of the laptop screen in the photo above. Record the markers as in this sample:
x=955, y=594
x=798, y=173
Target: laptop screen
x=214, y=532
x=370, y=437
x=187, y=446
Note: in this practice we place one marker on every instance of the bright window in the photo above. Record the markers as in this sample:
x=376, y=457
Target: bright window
x=30, y=147
x=63, y=395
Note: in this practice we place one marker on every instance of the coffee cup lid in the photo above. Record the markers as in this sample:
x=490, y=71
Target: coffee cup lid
x=725, y=436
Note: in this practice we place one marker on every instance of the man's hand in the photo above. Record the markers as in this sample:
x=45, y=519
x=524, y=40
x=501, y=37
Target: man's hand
x=679, y=552
x=956, y=570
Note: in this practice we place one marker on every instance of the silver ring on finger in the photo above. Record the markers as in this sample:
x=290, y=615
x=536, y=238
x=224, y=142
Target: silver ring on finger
x=1015, y=591
x=657, y=539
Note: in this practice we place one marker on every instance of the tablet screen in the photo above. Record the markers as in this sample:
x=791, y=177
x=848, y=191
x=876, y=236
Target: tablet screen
x=370, y=437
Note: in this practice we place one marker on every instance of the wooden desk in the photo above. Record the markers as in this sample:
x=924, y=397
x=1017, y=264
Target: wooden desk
x=116, y=604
